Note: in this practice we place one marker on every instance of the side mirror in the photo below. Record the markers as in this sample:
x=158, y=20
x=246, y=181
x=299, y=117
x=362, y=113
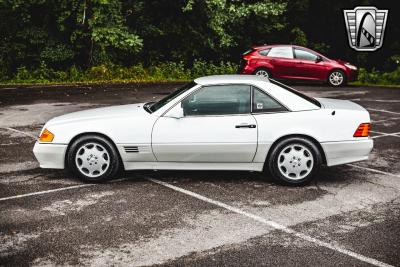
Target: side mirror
x=318, y=59
x=176, y=112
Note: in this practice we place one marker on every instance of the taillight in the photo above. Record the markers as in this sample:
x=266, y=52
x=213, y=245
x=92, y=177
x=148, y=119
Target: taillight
x=362, y=130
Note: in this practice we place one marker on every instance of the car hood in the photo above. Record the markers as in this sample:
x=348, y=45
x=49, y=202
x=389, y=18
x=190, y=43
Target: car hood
x=330, y=103
x=101, y=113
x=341, y=62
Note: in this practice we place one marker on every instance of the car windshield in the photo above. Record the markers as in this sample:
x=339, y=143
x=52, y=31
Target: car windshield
x=152, y=107
x=290, y=89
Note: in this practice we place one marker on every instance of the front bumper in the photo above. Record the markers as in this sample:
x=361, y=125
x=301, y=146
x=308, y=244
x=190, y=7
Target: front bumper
x=50, y=156
x=352, y=75
x=347, y=151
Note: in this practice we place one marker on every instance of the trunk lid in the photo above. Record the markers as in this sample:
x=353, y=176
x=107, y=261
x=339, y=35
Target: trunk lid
x=330, y=103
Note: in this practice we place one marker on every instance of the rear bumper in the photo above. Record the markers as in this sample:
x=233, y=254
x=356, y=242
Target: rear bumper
x=245, y=68
x=50, y=156
x=347, y=151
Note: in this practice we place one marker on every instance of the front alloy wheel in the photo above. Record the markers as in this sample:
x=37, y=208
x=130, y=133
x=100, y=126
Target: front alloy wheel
x=336, y=78
x=93, y=158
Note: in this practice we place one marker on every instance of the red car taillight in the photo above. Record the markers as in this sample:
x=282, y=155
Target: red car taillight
x=247, y=57
x=362, y=130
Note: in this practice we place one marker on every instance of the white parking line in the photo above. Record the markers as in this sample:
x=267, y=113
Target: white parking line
x=385, y=101
x=384, y=134
x=9, y=144
x=390, y=119
x=374, y=170
x=21, y=132
x=272, y=224
x=375, y=100
x=46, y=191
x=384, y=111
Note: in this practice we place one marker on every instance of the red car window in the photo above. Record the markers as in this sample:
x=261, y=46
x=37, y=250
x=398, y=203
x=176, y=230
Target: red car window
x=304, y=55
x=281, y=52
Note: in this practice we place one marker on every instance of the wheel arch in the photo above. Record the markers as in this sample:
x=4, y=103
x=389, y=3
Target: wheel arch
x=310, y=138
x=90, y=133
x=265, y=67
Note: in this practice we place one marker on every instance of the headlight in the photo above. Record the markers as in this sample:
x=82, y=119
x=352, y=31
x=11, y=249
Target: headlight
x=351, y=66
x=46, y=136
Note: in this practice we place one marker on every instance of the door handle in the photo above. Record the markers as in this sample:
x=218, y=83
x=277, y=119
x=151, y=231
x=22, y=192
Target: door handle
x=245, y=126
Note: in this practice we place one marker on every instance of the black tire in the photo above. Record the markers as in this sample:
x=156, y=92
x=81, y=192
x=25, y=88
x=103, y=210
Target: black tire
x=113, y=165
x=263, y=70
x=334, y=83
x=277, y=171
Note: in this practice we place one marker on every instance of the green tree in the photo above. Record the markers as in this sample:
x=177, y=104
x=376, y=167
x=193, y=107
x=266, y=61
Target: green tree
x=103, y=29
x=213, y=30
x=223, y=14
x=63, y=32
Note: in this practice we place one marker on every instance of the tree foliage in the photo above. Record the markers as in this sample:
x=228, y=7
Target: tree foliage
x=223, y=14
x=60, y=34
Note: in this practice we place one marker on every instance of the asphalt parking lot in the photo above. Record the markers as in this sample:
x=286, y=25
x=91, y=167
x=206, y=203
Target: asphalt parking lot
x=349, y=216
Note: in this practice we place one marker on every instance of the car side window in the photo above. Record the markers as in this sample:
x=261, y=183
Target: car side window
x=218, y=100
x=262, y=102
x=304, y=55
x=281, y=52
x=264, y=52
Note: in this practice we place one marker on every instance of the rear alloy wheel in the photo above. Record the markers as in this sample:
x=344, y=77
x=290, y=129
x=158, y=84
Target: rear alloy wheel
x=337, y=78
x=294, y=161
x=93, y=159
x=262, y=72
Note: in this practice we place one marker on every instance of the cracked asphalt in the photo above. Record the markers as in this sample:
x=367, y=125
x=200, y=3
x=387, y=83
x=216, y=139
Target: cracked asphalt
x=349, y=216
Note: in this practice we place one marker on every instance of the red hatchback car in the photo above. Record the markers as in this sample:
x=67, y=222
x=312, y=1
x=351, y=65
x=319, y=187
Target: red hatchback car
x=296, y=62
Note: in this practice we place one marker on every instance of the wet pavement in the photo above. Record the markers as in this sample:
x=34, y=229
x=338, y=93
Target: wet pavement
x=350, y=215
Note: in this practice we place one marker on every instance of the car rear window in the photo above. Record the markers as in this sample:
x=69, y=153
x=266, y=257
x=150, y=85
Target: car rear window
x=294, y=91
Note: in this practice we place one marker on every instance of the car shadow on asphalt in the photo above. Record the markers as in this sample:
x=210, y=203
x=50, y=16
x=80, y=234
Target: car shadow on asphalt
x=327, y=176
x=332, y=176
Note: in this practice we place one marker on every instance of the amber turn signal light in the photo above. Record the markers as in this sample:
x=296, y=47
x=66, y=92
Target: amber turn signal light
x=362, y=130
x=46, y=136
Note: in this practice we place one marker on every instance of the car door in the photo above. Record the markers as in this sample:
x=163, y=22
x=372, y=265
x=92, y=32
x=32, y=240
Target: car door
x=281, y=58
x=309, y=65
x=214, y=125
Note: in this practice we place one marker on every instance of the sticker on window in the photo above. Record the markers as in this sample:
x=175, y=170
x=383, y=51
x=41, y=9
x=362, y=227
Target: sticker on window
x=259, y=105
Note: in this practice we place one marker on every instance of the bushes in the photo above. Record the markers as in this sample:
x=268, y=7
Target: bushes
x=168, y=71
x=377, y=77
x=202, y=68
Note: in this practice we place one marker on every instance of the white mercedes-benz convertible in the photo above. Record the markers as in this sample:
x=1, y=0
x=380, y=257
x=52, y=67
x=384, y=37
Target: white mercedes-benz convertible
x=228, y=122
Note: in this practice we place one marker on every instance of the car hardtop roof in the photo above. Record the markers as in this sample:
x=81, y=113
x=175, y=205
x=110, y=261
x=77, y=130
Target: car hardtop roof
x=261, y=47
x=233, y=78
